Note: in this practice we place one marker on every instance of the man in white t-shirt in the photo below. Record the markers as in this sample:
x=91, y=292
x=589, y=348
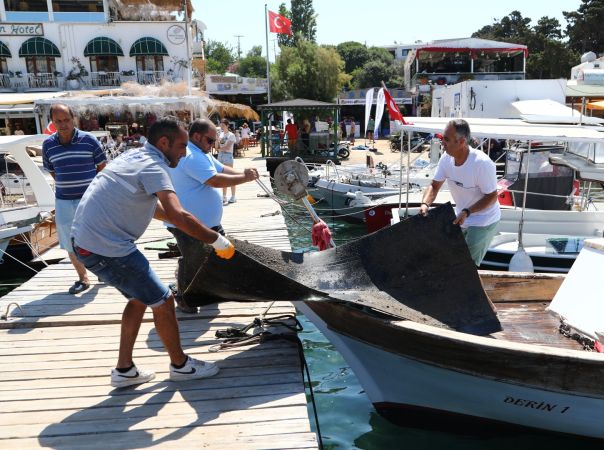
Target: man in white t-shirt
x=472, y=181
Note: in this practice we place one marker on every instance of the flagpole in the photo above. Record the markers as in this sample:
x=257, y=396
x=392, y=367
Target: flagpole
x=268, y=67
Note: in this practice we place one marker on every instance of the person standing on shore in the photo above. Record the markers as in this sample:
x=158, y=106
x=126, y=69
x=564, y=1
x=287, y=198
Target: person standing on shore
x=73, y=158
x=370, y=129
x=472, y=181
x=114, y=212
x=291, y=130
x=225, y=145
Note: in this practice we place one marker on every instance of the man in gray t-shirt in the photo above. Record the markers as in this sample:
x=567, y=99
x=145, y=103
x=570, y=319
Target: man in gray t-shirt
x=114, y=212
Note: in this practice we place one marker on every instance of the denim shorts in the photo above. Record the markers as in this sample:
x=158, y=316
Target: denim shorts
x=131, y=275
x=225, y=158
x=64, y=213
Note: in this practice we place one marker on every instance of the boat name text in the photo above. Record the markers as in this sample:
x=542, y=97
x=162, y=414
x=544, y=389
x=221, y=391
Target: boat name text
x=541, y=406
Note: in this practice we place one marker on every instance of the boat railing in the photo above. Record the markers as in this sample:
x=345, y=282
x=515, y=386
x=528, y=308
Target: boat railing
x=101, y=79
x=5, y=81
x=43, y=80
x=579, y=202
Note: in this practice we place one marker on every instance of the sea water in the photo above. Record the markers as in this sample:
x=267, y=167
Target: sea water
x=347, y=419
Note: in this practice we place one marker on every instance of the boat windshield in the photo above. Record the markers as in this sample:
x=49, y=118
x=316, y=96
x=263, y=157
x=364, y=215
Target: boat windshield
x=538, y=164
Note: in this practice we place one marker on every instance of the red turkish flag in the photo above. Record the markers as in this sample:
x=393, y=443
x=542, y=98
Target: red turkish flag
x=393, y=110
x=50, y=129
x=279, y=24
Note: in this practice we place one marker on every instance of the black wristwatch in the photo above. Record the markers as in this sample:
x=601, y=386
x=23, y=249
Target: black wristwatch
x=424, y=203
x=467, y=211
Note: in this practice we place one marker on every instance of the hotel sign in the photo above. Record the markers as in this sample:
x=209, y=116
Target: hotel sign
x=21, y=29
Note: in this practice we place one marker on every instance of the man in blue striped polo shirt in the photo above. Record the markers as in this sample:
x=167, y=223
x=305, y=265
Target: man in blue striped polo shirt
x=73, y=158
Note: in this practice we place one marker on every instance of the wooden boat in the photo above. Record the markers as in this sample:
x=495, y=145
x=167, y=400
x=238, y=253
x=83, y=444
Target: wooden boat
x=412, y=319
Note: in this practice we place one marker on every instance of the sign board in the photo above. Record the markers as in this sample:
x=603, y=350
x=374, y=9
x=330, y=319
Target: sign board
x=176, y=34
x=21, y=29
x=361, y=101
x=232, y=85
x=357, y=97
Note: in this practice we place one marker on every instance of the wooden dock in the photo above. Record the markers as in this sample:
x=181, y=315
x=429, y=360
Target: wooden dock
x=56, y=356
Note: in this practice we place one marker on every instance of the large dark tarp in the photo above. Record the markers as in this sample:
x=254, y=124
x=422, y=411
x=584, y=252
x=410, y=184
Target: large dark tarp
x=419, y=269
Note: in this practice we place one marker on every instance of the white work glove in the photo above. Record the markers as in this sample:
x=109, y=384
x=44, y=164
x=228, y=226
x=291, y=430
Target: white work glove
x=223, y=247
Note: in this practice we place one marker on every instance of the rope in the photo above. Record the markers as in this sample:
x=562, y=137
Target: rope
x=238, y=337
x=2, y=252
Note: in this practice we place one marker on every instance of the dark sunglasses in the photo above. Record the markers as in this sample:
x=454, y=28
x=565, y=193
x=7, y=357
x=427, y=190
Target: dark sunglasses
x=210, y=140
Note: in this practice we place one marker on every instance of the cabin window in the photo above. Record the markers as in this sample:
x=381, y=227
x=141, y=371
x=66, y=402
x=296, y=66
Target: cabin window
x=40, y=64
x=26, y=6
x=104, y=63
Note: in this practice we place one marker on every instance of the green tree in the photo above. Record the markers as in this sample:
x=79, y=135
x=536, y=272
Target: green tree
x=584, y=30
x=354, y=54
x=285, y=40
x=374, y=72
x=304, y=20
x=254, y=64
x=219, y=57
x=512, y=28
x=380, y=54
x=549, y=56
x=308, y=71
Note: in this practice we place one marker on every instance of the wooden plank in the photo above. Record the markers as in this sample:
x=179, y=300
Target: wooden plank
x=54, y=386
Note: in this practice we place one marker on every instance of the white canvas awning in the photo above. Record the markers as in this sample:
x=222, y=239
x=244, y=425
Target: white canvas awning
x=549, y=111
x=512, y=129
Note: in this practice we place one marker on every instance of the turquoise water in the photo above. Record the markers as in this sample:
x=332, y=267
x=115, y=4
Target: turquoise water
x=346, y=416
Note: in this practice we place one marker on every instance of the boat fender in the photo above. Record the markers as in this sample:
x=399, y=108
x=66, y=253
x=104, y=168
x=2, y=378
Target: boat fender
x=359, y=199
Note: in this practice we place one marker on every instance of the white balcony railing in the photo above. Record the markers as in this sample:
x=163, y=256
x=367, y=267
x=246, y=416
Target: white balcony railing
x=150, y=76
x=5, y=81
x=102, y=79
x=42, y=81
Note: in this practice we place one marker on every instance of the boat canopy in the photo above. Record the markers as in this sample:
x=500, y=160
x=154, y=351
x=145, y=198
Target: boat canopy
x=549, y=111
x=475, y=46
x=511, y=129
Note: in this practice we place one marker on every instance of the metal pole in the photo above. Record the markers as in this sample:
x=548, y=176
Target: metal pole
x=408, y=170
x=520, y=225
x=239, y=36
x=268, y=67
x=188, y=44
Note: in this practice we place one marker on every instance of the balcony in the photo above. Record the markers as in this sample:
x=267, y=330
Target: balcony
x=42, y=81
x=440, y=79
x=5, y=82
x=105, y=79
x=150, y=76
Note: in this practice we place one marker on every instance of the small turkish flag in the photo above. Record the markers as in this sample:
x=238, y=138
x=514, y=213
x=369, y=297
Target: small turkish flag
x=50, y=129
x=279, y=24
x=393, y=110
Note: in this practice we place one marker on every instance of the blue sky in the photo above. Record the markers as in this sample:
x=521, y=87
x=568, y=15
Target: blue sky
x=374, y=22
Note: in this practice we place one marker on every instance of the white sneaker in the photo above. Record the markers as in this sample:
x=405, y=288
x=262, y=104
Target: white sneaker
x=193, y=370
x=225, y=201
x=133, y=376
x=232, y=199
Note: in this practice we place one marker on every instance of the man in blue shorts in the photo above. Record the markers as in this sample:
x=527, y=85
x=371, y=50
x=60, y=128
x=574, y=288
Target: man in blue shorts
x=73, y=158
x=114, y=212
x=197, y=181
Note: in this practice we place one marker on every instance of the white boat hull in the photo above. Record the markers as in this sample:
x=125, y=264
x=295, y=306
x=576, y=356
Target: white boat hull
x=398, y=384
